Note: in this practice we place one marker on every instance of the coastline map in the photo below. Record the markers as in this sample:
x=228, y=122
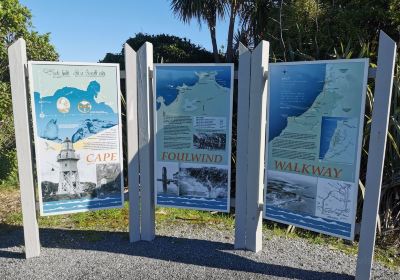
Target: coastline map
x=192, y=115
x=315, y=121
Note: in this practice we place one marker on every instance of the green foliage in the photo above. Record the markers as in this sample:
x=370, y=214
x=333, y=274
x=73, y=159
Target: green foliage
x=8, y=162
x=389, y=222
x=38, y=47
x=208, y=11
x=166, y=48
x=6, y=121
x=254, y=17
x=311, y=29
x=8, y=168
x=203, y=11
x=15, y=22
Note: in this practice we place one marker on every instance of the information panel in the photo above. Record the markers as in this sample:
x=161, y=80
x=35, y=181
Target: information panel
x=315, y=126
x=193, y=123
x=77, y=129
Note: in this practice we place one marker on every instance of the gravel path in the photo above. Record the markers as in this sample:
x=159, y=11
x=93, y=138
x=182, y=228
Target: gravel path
x=179, y=252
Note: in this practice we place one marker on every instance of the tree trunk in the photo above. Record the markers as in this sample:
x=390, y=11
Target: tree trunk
x=214, y=43
x=229, y=47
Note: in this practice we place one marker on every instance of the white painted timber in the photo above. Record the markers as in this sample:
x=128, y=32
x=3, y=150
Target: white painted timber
x=146, y=149
x=18, y=64
x=376, y=155
x=133, y=143
x=242, y=146
x=256, y=146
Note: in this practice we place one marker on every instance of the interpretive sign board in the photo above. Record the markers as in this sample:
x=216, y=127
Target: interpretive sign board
x=77, y=130
x=192, y=126
x=314, y=132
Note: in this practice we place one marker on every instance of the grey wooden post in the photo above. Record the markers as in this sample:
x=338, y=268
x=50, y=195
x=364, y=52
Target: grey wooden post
x=376, y=156
x=146, y=149
x=256, y=146
x=133, y=151
x=242, y=146
x=18, y=64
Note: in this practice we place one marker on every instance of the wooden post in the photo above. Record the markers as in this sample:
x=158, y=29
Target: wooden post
x=18, y=64
x=133, y=151
x=376, y=156
x=242, y=146
x=146, y=149
x=256, y=146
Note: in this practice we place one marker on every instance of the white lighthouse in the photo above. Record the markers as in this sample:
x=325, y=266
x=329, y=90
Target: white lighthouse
x=69, y=176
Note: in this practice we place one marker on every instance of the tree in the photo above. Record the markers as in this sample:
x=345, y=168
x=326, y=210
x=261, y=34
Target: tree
x=166, y=48
x=201, y=10
x=254, y=16
x=15, y=22
x=233, y=8
x=313, y=29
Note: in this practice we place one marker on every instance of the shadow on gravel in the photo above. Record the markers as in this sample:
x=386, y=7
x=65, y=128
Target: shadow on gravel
x=182, y=250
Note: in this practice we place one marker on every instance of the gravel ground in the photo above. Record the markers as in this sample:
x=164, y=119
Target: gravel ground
x=179, y=252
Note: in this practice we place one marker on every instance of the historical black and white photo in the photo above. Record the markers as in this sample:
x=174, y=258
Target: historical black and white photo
x=292, y=192
x=192, y=180
x=209, y=141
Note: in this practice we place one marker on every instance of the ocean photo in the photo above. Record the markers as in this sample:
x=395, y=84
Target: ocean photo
x=192, y=185
x=291, y=191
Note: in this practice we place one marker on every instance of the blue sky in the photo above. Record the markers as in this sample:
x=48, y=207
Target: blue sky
x=86, y=30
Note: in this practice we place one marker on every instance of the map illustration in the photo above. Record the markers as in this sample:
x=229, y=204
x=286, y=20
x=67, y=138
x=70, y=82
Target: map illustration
x=338, y=139
x=200, y=94
x=327, y=130
x=315, y=114
x=334, y=200
x=193, y=131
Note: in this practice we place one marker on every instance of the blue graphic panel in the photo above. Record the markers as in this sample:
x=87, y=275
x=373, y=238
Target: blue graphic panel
x=77, y=111
x=292, y=93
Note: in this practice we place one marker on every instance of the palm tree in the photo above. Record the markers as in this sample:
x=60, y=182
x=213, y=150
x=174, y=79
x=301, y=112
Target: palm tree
x=233, y=7
x=202, y=10
x=254, y=18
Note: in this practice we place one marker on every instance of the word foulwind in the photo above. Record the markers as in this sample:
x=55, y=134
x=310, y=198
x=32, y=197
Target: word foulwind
x=191, y=157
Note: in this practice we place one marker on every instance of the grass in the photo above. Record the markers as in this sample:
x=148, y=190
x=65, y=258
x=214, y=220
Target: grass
x=117, y=220
x=167, y=216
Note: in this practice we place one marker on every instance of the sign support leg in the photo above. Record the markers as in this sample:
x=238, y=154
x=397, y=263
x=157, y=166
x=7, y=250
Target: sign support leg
x=133, y=151
x=376, y=156
x=146, y=148
x=18, y=64
x=242, y=146
x=256, y=146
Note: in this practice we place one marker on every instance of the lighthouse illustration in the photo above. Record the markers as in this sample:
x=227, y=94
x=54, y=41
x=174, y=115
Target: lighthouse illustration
x=69, y=176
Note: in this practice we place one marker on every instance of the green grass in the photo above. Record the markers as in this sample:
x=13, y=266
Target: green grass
x=4, y=187
x=118, y=219
x=167, y=216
